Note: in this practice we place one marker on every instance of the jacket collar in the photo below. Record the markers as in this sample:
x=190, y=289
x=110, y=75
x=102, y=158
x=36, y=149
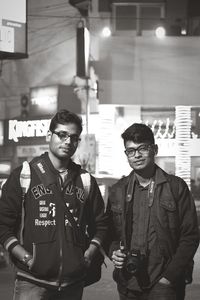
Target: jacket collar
x=167, y=200
x=46, y=171
x=160, y=175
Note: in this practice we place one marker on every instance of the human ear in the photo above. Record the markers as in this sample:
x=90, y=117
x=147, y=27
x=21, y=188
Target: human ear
x=155, y=149
x=48, y=136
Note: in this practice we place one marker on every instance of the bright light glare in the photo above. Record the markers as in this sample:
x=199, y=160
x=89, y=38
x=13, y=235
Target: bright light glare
x=106, y=32
x=160, y=32
x=183, y=31
x=87, y=48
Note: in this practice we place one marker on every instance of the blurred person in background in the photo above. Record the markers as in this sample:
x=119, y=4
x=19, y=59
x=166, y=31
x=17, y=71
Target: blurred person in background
x=45, y=233
x=153, y=226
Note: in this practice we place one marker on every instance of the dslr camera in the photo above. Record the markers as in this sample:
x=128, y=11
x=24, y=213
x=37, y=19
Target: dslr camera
x=133, y=261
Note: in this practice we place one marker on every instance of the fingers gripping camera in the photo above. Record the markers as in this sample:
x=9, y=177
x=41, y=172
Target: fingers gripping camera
x=133, y=260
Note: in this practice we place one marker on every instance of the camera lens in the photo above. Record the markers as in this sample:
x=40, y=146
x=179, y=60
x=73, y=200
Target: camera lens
x=132, y=261
x=131, y=268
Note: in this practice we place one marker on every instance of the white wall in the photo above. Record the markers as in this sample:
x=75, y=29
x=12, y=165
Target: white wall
x=147, y=71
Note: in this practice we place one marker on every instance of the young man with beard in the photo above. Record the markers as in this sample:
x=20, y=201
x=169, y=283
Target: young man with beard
x=45, y=232
x=153, y=227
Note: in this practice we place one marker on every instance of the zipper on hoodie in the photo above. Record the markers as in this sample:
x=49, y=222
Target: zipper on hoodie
x=60, y=230
x=61, y=261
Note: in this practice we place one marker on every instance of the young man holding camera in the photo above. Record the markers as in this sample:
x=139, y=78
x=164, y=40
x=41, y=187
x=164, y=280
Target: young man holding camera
x=153, y=226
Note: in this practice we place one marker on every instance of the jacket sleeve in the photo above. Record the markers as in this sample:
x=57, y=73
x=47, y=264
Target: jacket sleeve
x=113, y=239
x=10, y=210
x=97, y=216
x=188, y=236
x=115, y=213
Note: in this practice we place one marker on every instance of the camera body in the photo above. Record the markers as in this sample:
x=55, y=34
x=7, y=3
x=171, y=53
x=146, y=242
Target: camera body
x=133, y=261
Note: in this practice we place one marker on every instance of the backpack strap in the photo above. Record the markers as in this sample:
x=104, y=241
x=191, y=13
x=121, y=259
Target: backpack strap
x=86, y=180
x=25, y=177
x=25, y=181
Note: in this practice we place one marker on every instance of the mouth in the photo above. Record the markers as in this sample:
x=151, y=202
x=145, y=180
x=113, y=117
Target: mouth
x=64, y=149
x=139, y=162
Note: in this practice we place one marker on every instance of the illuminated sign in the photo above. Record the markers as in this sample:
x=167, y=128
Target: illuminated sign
x=1, y=133
x=13, y=29
x=161, y=129
x=33, y=128
x=43, y=101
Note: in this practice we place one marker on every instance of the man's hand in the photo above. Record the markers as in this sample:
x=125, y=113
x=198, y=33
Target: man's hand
x=89, y=254
x=118, y=258
x=163, y=280
x=30, y=263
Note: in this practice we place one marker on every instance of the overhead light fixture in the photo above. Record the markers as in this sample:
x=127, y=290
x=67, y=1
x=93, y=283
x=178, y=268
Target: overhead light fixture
x=160, y=32
x=106, y=32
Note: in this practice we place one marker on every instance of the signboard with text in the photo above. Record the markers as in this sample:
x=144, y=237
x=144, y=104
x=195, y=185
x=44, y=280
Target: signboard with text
x=22, y=132
x=13, y=29
x=43, y=101
x=47, y=100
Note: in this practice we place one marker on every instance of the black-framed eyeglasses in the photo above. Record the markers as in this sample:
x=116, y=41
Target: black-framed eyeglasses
x=143, y=149
x=64, y=135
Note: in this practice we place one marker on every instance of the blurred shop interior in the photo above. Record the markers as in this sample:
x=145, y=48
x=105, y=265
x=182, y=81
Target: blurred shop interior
x=101, y=149
x=52, y=56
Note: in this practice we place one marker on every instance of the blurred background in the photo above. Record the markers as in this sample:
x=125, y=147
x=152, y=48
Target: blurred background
x=113, y=63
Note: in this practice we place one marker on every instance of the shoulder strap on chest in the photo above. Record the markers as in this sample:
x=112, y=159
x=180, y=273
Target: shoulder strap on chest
x=86, y=180
x=25, y=180
x=25, y=177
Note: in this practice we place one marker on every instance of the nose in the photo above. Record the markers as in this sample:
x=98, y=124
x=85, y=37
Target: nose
x=67, y=140
x=137, y=153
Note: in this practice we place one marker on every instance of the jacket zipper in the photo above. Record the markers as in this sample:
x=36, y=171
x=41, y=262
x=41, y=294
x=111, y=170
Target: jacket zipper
x=61, y=263
x=60, y=251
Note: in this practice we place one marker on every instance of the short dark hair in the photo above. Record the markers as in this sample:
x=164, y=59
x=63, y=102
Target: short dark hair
x=138, y=133
x=64, y=117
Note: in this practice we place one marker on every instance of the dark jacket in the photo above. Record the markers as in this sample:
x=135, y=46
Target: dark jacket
x=55, y=243
x=174, y=219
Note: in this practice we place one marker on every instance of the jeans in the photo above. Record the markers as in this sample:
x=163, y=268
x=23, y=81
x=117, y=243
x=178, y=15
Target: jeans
x=159, y=292
x=25, y=290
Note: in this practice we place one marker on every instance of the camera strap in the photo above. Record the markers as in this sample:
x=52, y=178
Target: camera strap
x=150, y=195
x=128, y=212
x=127, y=227
x=130, y=190
x=151, y=190
x=143, y=242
